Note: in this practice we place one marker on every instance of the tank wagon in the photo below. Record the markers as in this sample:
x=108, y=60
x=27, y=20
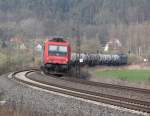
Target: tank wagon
x=100, y=59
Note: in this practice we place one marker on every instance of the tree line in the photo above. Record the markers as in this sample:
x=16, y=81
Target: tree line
x=127, y=20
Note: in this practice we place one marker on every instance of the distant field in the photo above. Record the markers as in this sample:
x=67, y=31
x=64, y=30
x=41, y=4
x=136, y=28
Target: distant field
x=131, y=75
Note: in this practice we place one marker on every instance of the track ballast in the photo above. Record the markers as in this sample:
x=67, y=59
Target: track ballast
x=133, y=104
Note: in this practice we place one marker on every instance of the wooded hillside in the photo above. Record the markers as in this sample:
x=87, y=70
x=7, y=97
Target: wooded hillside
x=98, y=20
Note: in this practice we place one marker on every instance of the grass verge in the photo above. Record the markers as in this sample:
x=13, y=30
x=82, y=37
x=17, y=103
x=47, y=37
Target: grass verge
x=124, y=74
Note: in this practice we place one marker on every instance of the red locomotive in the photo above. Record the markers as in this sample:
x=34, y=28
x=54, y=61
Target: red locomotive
x=56, y=55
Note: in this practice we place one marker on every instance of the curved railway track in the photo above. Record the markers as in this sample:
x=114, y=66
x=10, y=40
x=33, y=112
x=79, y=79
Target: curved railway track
x=100, y=84
x=133, y=104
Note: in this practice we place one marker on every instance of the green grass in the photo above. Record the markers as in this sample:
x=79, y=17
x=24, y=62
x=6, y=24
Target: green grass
x=131, y=75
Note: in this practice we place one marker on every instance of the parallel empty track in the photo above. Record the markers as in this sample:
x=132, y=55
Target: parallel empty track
x=133, y=104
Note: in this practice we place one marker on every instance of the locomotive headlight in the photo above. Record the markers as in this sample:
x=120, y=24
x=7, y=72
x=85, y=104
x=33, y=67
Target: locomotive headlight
x=66, y=60
x=50, y=61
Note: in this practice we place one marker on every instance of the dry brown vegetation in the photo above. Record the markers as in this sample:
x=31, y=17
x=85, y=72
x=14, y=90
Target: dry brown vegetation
x=14, y=60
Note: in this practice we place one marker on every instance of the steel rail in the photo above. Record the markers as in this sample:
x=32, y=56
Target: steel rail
x=104, y=98
x=108, y=85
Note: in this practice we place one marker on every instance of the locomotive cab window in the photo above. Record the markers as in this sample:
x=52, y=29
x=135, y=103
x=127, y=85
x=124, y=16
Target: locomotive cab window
x=63, y=49
x=57, y=50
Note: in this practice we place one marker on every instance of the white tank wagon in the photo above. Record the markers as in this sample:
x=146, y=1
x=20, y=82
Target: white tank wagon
x=99, y=59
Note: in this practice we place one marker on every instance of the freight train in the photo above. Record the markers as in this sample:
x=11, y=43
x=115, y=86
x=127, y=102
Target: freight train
x=58, y=58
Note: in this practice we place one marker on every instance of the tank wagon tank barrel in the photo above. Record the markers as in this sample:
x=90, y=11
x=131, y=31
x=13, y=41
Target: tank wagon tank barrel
x=100, y=59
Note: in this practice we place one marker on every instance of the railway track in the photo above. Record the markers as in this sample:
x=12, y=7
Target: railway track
x=133, y=104
x=104, y=85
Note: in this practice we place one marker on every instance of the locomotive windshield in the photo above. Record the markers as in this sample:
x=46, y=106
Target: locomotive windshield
x=57, y=50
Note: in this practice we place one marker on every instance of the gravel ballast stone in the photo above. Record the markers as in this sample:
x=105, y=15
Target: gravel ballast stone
x=23, y=97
